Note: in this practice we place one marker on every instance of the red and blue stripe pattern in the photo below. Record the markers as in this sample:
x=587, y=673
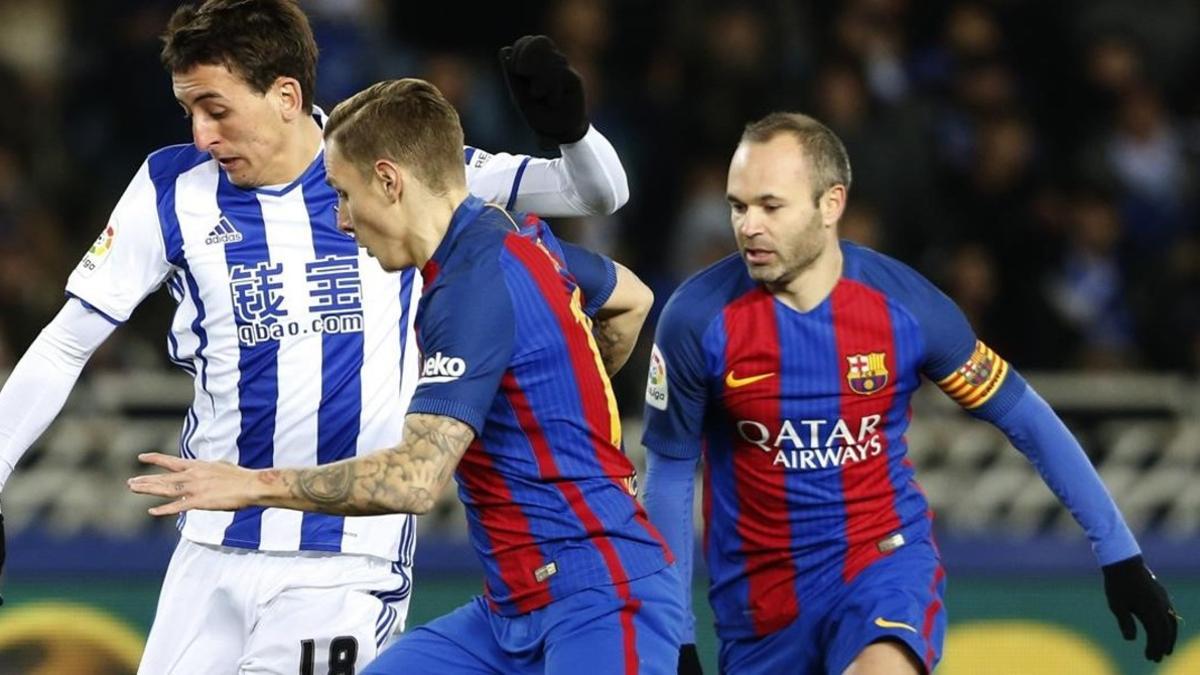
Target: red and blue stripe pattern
x=763, y=522
x=805, y=475
x=862, y=324
x=546, y=484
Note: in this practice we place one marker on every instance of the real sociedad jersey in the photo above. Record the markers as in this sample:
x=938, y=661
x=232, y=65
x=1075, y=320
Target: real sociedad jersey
x=507, y=346
x=300, y=345
x=800, y=417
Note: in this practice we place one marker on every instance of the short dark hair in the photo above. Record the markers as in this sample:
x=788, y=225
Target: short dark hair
x=407, y=121
x=826, y=154
x=258, y=40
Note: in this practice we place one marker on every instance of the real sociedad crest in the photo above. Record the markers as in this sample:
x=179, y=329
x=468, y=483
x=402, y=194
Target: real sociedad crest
x=868, y=372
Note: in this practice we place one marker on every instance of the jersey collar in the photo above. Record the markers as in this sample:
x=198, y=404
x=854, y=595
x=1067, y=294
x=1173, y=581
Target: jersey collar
x=466, y=213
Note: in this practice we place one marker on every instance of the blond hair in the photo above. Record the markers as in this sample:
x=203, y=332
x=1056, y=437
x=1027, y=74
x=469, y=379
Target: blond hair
x=407, y=121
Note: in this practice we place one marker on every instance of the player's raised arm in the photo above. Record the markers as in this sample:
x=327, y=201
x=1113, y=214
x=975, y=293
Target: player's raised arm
x=988, y=387
x=587, y=179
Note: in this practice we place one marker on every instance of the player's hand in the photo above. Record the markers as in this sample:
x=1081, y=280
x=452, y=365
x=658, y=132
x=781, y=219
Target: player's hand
x=547, y=90
x=689, y=661
x=1133, y=591
x=195, y=484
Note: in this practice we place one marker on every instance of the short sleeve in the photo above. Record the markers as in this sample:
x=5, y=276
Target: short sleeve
x=676, y=387
x=128, y=260
x=596, y=275
x=466, y=332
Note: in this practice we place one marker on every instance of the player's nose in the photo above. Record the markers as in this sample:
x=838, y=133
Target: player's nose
x=343, y=221
x=204, y=134
x=750, y=224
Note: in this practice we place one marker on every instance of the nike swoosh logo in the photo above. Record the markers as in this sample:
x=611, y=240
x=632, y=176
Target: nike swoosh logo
x=734, y=382
x=884, y=623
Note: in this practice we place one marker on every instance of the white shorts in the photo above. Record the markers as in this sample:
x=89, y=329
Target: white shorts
x=228, y=611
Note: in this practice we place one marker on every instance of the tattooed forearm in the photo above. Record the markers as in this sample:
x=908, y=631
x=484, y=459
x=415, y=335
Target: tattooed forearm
x=326, y=485
x=404, y=479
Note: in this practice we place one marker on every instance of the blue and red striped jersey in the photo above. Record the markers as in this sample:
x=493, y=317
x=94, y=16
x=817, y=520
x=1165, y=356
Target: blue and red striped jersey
x=507, y=348
x=800, y=419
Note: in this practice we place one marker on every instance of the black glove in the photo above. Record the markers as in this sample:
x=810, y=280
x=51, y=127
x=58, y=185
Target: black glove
x=689, y=661
x=1133, y=591
x=546, y=89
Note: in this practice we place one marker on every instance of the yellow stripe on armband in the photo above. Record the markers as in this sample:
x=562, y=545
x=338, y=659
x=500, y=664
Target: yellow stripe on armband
x=977, y=380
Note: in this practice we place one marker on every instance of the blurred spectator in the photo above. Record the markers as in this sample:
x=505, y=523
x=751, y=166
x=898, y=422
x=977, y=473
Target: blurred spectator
x=872, y=32
x=1145, y=153
x=704, y=233
x=1114, y=67
x=973, y=284
x=1169, y=309
x=887, y=151
x=1088, y=290
x=965, y=120
x=860, y=224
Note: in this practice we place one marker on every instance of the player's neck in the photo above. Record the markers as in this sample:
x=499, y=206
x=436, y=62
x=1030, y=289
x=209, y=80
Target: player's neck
x=815, y=283
x=299, y=153
x=436, y=213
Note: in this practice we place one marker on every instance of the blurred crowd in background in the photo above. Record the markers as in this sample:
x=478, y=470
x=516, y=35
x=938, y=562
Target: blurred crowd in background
x=1039, y=160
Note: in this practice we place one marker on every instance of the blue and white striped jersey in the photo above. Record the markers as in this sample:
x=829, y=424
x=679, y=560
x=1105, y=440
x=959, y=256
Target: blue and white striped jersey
x=300, y=345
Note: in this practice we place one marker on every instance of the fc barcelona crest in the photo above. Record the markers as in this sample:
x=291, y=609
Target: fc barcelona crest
x=979, y=367
x=868, y=372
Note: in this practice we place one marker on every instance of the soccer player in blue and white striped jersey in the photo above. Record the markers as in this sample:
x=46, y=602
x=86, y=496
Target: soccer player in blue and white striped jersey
x=300, y=345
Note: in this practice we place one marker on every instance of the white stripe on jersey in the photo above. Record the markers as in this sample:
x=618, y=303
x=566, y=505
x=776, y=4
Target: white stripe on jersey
x=299, y=380
x=218, y=418
x=382, y=407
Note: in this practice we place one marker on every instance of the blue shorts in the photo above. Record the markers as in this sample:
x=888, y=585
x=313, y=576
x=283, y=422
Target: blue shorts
x=899, y=597
x=632, y=628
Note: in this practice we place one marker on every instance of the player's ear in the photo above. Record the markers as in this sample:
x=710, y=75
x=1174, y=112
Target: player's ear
x=832, y=204
x=389, y=178
x=289, y=97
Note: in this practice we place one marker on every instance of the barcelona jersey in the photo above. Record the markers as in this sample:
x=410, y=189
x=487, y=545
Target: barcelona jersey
x=800, y=418
x=506, y=345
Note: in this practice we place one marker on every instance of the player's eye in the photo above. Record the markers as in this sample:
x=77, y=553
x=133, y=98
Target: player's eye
x=771, y=208
x=218, y=114
x=738, y=208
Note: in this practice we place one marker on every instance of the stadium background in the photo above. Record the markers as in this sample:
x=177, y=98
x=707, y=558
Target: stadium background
x=1039, y=160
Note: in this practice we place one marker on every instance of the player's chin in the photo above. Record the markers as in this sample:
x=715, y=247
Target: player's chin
x=762, y=273
x=388, y=263
x=239, y=176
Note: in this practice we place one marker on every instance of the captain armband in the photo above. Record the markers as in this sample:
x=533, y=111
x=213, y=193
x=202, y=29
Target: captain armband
x=977, y=380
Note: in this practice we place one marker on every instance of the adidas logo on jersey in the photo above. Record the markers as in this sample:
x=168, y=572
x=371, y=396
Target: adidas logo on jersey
x=439, y=368
x=223, y=233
